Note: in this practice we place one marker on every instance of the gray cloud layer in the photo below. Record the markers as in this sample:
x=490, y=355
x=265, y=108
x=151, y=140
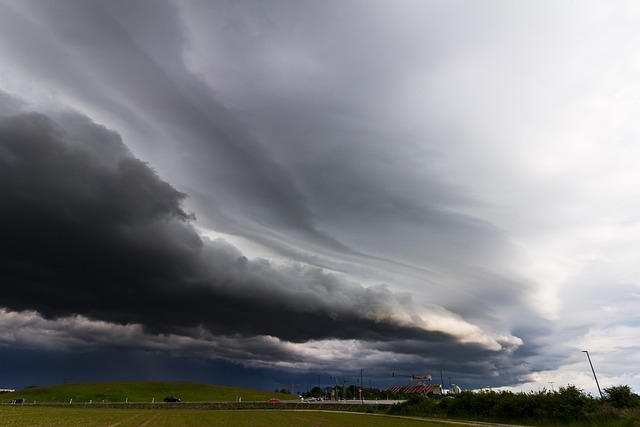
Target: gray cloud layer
x=400, y=171
x=91, y=230
x=90, y=234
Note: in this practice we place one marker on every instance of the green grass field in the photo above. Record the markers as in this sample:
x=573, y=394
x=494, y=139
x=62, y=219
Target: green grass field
x=110, y=392
x=36, y=416
x=42, y=408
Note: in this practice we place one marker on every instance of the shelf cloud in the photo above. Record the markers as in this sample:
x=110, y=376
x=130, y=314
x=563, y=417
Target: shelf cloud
x=313, y=189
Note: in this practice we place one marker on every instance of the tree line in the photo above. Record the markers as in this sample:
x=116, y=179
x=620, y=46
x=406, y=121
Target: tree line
x=619, y=407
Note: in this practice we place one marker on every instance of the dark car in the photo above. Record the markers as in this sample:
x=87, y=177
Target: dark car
x=171, y=399
x=18, y=401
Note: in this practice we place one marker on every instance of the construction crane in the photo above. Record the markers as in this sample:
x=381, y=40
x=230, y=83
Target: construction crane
x=420, y=379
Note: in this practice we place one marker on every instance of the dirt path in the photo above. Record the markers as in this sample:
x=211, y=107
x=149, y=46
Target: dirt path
x=466, y=423
x=124, y=421
x=149, y=420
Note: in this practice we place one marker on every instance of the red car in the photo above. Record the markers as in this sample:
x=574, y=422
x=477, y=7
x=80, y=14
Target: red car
x=273, y=400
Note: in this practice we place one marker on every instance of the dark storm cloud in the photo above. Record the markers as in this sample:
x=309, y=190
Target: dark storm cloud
x=9, y=104
x=317, y=131
x=107, y=41
x=90, y=230
x=289, y=175
x=322, y=166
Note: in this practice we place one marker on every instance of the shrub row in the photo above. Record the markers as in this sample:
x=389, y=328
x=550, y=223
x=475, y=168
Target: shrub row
x=566, y=406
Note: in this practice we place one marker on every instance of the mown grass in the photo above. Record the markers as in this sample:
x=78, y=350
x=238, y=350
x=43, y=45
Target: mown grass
x=36, y=416
x=109, y=392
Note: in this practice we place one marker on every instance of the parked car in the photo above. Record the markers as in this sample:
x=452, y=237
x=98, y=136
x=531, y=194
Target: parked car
x=171, y=399
x=273, y=400
x=18, y=401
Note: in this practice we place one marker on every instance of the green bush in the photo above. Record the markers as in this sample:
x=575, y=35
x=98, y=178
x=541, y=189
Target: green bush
x=415, y=405
x=621, y=397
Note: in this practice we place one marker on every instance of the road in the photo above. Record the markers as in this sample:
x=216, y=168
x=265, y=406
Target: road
x=349, y=402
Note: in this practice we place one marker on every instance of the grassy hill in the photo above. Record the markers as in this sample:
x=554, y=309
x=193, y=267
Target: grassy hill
x=138, y=392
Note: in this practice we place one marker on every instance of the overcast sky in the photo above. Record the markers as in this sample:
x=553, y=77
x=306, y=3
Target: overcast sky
x=254, y=192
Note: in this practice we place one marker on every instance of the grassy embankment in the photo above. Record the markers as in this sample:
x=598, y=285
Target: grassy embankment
x=118, y=392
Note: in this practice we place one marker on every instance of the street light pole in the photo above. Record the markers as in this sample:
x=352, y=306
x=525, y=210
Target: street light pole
x=594, y=372
x=361, y=388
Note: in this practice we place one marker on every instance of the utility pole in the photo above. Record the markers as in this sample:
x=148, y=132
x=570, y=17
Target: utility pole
x=361, y=388
x=344, y=386
x=594, y=372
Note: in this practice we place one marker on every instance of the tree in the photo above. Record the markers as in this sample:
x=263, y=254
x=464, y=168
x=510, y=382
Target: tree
x=316, y=392
x=621, y=397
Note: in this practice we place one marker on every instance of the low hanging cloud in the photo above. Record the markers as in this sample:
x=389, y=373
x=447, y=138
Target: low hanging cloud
x=91, y=231
x=456, y=204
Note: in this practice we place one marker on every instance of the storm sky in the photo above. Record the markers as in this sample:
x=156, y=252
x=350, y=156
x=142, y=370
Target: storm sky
x=253, y=192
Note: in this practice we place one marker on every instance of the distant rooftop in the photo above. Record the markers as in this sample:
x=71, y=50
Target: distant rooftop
x=414, y=389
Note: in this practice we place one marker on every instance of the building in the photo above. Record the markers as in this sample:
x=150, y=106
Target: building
x=416, y=389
